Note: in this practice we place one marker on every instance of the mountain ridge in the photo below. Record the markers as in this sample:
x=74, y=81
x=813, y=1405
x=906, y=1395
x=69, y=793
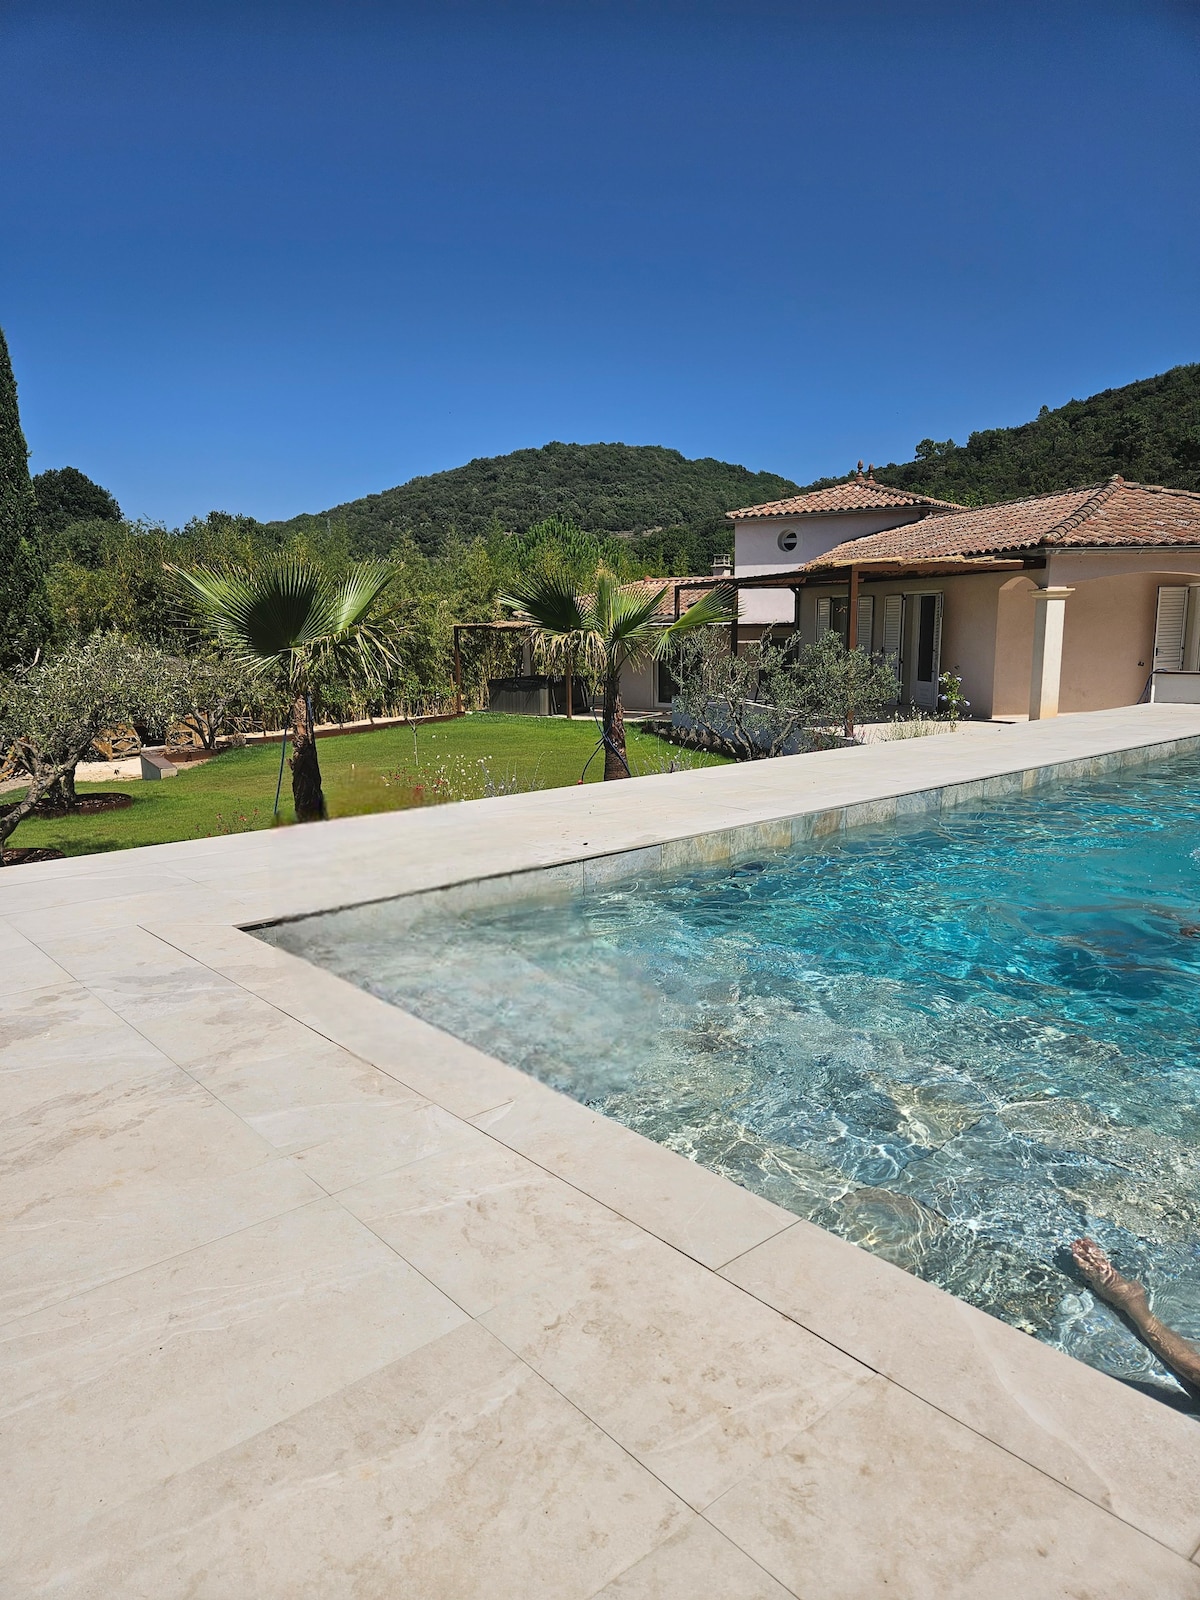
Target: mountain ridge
x=673, y=508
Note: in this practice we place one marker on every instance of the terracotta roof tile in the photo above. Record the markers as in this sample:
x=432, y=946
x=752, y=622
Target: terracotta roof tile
x=860, y=494
x=666, y=606
x=1112, y=513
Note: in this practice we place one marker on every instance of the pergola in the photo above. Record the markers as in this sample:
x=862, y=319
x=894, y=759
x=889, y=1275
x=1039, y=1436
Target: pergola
x=853, y=572
x=494, y=627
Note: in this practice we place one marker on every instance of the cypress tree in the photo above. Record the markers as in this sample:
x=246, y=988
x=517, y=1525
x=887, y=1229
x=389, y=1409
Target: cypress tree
x=24, y=605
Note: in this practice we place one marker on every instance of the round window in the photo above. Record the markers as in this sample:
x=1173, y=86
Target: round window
x=788, y=539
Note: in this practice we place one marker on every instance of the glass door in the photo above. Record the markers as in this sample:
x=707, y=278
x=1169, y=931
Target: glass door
x=926, y=654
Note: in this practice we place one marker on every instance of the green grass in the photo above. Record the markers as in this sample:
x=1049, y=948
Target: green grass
x=363, y=772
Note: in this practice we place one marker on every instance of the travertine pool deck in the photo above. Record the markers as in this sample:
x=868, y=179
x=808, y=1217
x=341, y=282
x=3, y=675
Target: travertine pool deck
x=303, y=1298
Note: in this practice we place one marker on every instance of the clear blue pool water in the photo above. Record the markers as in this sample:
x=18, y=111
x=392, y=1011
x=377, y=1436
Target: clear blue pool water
x=960, y=1042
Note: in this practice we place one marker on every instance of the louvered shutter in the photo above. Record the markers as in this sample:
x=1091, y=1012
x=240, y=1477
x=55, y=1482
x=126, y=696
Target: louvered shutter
x=866, y=620
x=1169, y=621
x=822, y=617
x=893, y=622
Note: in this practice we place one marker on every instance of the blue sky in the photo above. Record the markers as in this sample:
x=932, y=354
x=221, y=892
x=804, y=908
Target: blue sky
x=267, y=258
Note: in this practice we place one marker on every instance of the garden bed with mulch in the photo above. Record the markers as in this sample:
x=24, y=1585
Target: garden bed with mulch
x=87, y=805
x=21, y=858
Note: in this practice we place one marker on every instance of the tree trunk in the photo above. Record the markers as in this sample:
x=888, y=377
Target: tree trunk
x=615, y=763
x=11, y=816
x=307, y=795
x=61, y=794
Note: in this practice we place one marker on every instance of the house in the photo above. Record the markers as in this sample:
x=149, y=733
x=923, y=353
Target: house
x=1074, y=601
x=785, y=535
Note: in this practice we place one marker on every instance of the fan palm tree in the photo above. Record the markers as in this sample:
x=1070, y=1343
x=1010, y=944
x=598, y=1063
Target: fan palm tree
x=601, y=633
x=290, y=620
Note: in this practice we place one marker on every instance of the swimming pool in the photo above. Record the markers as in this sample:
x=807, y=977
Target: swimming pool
x=959, y=1040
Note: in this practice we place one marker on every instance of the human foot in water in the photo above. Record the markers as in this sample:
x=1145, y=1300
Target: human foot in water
x=1132, y=1301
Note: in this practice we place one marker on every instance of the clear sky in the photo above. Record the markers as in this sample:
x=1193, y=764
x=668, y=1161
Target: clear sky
x=269, y=257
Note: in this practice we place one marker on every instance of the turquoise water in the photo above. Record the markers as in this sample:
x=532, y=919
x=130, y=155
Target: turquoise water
x=959, y=1042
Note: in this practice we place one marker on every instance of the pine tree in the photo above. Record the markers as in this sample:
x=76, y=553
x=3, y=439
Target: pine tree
x=24, y=607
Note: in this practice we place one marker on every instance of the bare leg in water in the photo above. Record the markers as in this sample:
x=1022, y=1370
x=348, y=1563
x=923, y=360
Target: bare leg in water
x=1131, y=1300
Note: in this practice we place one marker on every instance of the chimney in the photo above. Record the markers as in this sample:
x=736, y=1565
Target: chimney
x=722, y=566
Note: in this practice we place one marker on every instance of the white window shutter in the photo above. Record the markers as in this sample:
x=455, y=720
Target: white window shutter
x=1169, y=621
x=866, y=620
x=893, y=621
x=822, y=617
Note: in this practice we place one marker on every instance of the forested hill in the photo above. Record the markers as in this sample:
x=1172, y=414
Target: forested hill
x=605, y=488
x=1148, y=431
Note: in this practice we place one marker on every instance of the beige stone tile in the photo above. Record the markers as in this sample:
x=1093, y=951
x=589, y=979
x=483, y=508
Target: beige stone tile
x=697, y=1563
x=84, y=881
x=484, y=1223
x=886, y=1496
x=106, y=1395
x=47, y=1257
x=195, y=1015
x=443, y=1069
x=23, y=966
x=406, y=1133
x=343, y=1119
x=126, y=911
x=63, y=1149
x=65, y=1024
x=1121, y=1449
x=694, y=1378
x=452, y=1474
x=97, y=952
x=700, y=1213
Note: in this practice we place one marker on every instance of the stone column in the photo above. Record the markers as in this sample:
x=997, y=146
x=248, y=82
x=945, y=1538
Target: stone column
x=1049, y=613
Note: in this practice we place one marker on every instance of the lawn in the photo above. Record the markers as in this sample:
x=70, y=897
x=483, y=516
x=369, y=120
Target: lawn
x=390, y=770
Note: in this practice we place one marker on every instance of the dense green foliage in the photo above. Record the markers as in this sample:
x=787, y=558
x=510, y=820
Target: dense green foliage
x=392, y=769
x=1147, y=431
x=65, y=495
x=24, y=610
x=673, y=508
x=113, y=576
x=50, y=713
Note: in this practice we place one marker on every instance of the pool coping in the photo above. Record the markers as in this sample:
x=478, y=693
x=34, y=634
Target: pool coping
x=1124, y=1453
x=748, y=840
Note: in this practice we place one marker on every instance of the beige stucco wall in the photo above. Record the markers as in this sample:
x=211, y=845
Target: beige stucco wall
x=968, y=627
x=639, y=688
x=1012, y=650
x=987, y=626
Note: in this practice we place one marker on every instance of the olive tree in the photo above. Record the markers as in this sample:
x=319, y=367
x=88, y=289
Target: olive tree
x=51, y=713
x=212, y=692
x=769, y=699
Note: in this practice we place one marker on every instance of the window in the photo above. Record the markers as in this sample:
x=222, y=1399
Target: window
x=788, y=539
x=668, y=684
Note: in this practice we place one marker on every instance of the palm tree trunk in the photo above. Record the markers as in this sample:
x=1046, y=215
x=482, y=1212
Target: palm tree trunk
x=308, y=797
x=615, y=763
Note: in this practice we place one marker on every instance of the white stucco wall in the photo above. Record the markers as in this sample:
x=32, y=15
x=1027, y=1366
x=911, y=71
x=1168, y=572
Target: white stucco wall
x=756, y=549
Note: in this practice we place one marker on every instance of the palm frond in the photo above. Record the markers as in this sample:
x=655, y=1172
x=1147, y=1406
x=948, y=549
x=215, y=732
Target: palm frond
x=358, y=593
x=633, y=612
x=549, y=602
x=289, y=616
x=720, y=605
